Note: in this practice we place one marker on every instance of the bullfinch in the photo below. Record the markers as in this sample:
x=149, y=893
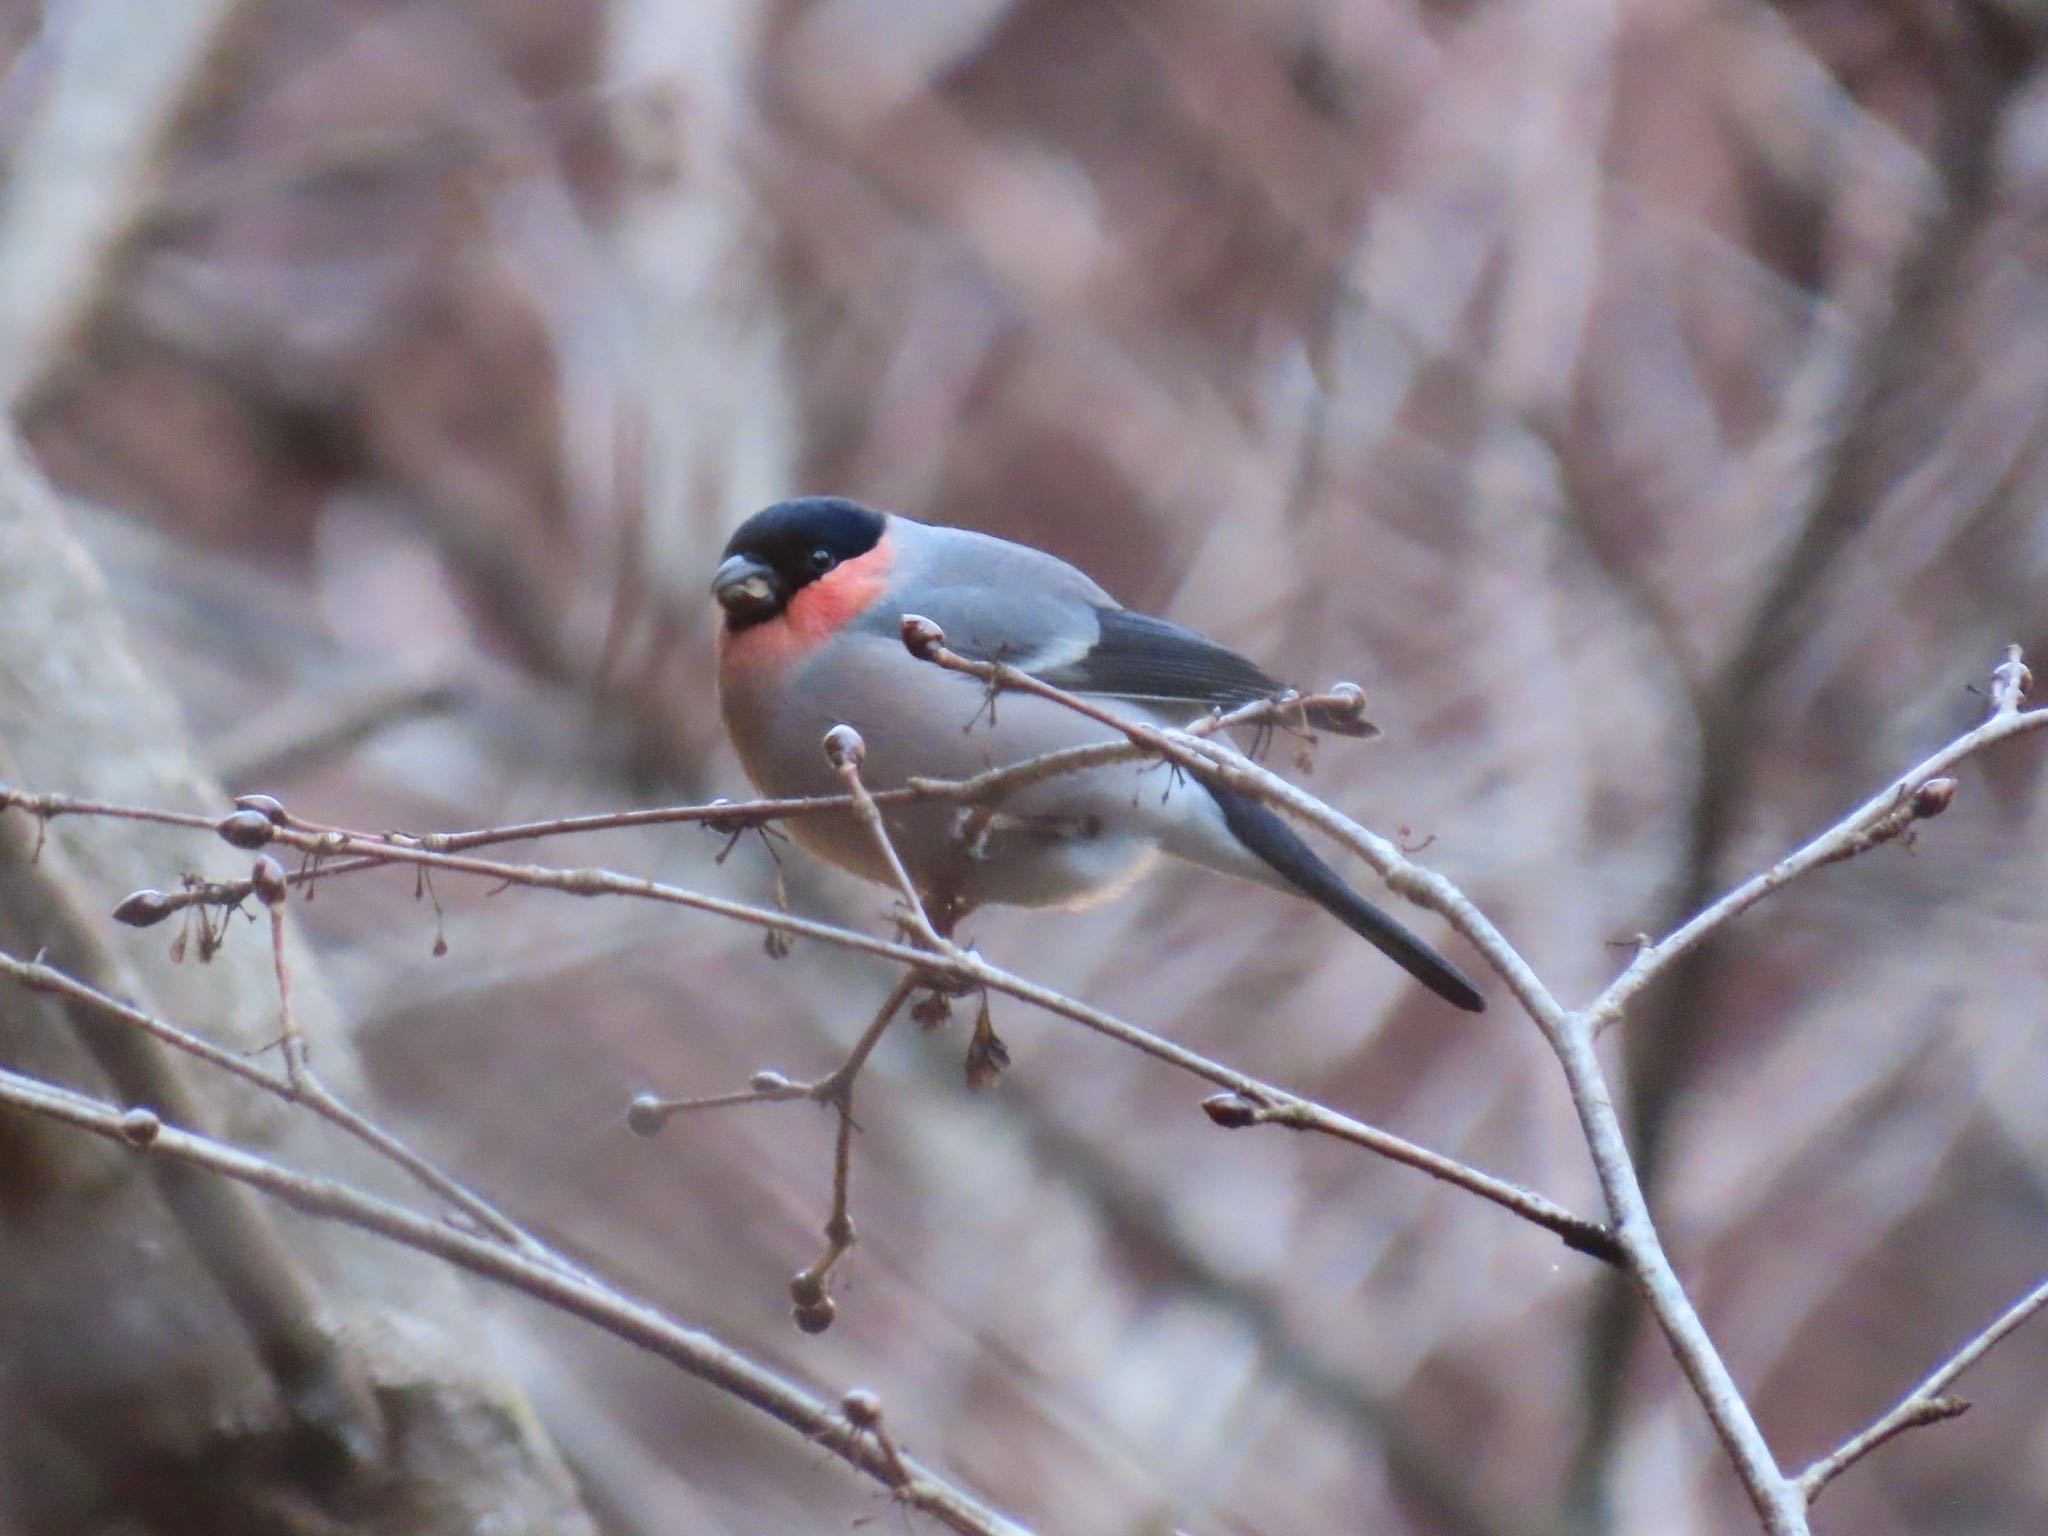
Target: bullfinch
x=814, y=592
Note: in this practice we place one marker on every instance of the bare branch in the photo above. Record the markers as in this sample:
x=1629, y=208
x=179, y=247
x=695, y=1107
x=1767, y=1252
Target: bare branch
x=1927, y=1403
x=845, y=749
x=1919, y=793
x=350, y=852
x=35, y=976
x=1775, y=1499
x=618, y=1314
x=1631, y=1242
x=318, y=840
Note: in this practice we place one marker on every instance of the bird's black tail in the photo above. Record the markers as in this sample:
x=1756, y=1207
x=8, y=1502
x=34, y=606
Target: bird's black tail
x=1262, y=831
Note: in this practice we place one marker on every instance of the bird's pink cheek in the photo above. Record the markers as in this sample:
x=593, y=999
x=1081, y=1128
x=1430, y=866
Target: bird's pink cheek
x=828, y=605
x=756, y=657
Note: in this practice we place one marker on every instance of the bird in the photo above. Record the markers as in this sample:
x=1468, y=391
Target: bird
x=813, y=593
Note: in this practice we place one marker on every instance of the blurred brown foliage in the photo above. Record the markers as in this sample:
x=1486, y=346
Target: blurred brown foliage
x=1643, y=400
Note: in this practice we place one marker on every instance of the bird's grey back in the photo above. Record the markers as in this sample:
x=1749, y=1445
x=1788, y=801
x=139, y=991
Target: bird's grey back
x=995, y=600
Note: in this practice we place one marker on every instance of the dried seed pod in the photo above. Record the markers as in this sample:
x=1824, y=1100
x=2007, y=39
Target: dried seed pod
x=987, y=1056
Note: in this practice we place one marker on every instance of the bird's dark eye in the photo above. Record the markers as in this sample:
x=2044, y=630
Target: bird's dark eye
x=822, y=560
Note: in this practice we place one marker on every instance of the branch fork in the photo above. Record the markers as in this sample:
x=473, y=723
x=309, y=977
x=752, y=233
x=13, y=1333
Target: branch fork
x=932, y=960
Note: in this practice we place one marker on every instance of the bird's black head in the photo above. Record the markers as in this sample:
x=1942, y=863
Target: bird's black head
x=782, y=549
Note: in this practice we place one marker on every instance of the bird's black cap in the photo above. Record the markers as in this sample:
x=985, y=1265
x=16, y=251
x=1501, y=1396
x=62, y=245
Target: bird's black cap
x=786, y=536
x=780, y=550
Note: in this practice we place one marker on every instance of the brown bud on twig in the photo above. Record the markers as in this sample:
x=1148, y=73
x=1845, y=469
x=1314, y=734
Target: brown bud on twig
x=921, y=637
x=809, y=1306
x=1347, y=701
x=245, y=829
x=140, y=1127
x=269, y=805
x=1232, y=1111
x=646, y=1115
x=815, y=1316
x=843, y=747
x=143, y=909
x=863, y=1408
x=267, y=882
x=1933, y=797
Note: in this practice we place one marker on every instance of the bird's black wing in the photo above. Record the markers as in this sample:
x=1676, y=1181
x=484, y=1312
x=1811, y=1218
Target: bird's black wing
x=1151, y=661
x=1260, y=829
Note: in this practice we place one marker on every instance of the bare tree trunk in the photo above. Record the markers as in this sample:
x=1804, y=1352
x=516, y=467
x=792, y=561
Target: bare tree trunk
x=178, y=1358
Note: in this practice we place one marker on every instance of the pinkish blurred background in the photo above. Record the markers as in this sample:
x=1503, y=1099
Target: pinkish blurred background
x=1643, y=399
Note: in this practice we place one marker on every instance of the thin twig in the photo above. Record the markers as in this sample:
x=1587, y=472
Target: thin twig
x=963, y=969
x=303, y=1086
x=1771, y=1494
x=35, y=976
x=321, y=842
x=810, y=1300
x=845, y=749
x=1905, y=800
x=618, y=1314
x=808, y=1296
x=1927, y=1403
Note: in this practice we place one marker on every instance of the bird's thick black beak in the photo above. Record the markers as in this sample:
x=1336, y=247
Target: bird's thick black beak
x=747, y=590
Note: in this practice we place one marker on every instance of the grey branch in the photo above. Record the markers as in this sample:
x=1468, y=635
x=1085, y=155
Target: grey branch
x=1779, y=1501
x=622, y=1316
x=1927, y=1403
x=1915, y=795
x=1775, y=1499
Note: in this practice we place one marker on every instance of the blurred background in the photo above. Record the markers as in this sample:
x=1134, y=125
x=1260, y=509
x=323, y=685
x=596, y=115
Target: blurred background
x=1643, y=399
